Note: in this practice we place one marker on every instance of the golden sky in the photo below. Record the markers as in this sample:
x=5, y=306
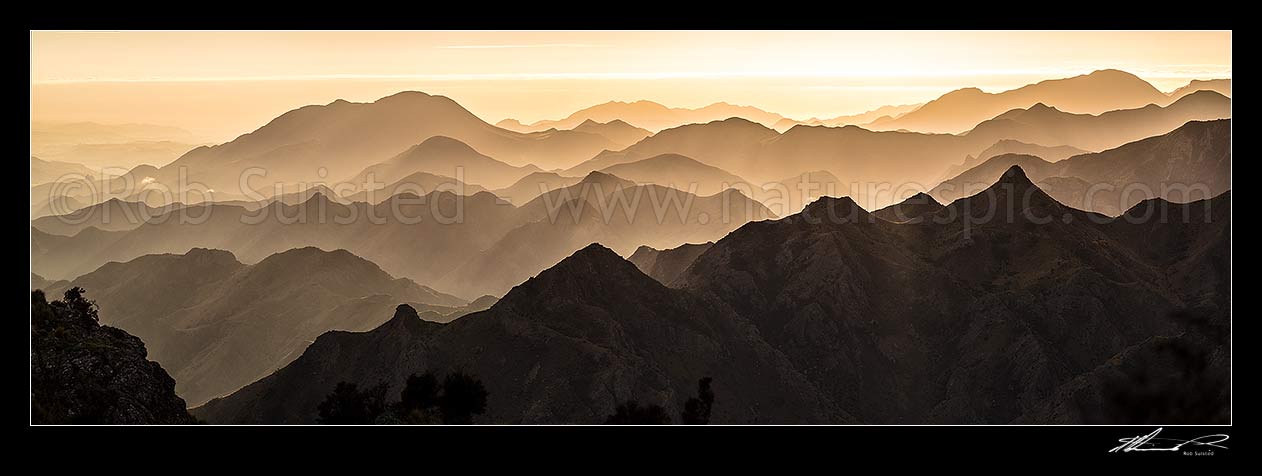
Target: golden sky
x=221, y=84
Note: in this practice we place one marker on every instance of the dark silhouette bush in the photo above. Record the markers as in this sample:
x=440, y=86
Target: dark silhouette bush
x=423, y=401
x=463, y=396
x=347, y=405
x=631, y=413
x=697, y=409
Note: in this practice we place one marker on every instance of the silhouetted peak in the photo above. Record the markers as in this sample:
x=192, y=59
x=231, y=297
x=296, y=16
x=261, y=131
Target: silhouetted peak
x=588, y=123
x=317, y=198
x=405, y=311
x=442, y=144
x=920, y=198
x=911, y=209
x=1015, y=176
x=963, y=92
x=834, y=210
x=146, y=170
x=404, y=96
x=1040, y=107
x=209, y=254
x=591, y=274
x=484, y=302
x=605, y=179
x=1204, y=95
x=405, y=321
x=1113, y=74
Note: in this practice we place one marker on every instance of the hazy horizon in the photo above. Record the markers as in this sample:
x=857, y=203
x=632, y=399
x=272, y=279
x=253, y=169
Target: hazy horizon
x=237, y=81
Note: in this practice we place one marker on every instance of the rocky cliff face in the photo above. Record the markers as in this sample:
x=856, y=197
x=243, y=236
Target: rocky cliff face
x=85, y=373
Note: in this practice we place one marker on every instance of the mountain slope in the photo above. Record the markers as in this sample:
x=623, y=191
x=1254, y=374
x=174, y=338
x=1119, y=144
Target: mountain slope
x=111, y=215
x=44, y=171
x=960, y=318
x=1041, y=124
x=605, y=209
x=342, y=138
x=678, y=172
x=533, y=185
x=1095, y=93
x=617, y=131
x=648, y=115
x=569, y=344
x=217, y=324
x=666, y=265
x=1189, y=163
x=1220, y=86
x=1009, y=146
x=446, y=157
x=420, y=238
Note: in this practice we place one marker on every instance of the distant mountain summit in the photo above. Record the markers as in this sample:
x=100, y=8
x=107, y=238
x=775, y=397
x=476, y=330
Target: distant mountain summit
x=1192, y=162
x=1095, y=93
x=649, y=115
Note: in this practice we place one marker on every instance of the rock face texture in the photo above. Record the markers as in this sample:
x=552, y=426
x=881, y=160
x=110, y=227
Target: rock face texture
x=85, y=373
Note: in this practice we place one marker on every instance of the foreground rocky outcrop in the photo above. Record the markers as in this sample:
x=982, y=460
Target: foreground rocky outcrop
x=85, y=373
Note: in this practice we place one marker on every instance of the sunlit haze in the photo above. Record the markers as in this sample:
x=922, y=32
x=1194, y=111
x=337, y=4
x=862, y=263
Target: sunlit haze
x=221, y=84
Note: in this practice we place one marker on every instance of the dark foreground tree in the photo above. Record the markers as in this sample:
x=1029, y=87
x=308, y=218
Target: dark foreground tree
x=697, y=409
x=463, y=396
x=347, y=405
x=631, y=413
x=419, y=403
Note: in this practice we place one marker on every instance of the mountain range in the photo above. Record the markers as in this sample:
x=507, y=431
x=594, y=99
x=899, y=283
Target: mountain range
x=1189, y=163
x=343, y=138
x=465, y=245
x=830, y=315
x=1095, y=93
x=216, y=324
x=648, y=115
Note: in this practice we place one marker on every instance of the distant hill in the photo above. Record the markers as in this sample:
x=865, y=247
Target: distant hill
x=533, y=185
x=1189, y=163
x=676, y=171
x=1046, y=125
x=1220, y=86
x=217, y=324
x=1009, y=146
x=648, y=115
x=44, y=171
x=327, y=142
x=1095, y=93
x=601, y=208
x=666, y=265
x=883, y=112
x=617, y=131
x=446, y=157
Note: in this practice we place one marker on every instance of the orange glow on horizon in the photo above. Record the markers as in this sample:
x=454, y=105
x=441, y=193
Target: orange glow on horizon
x=220, y=84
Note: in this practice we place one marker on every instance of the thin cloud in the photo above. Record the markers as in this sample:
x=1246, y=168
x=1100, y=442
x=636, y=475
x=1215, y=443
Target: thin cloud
x=534, y=45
